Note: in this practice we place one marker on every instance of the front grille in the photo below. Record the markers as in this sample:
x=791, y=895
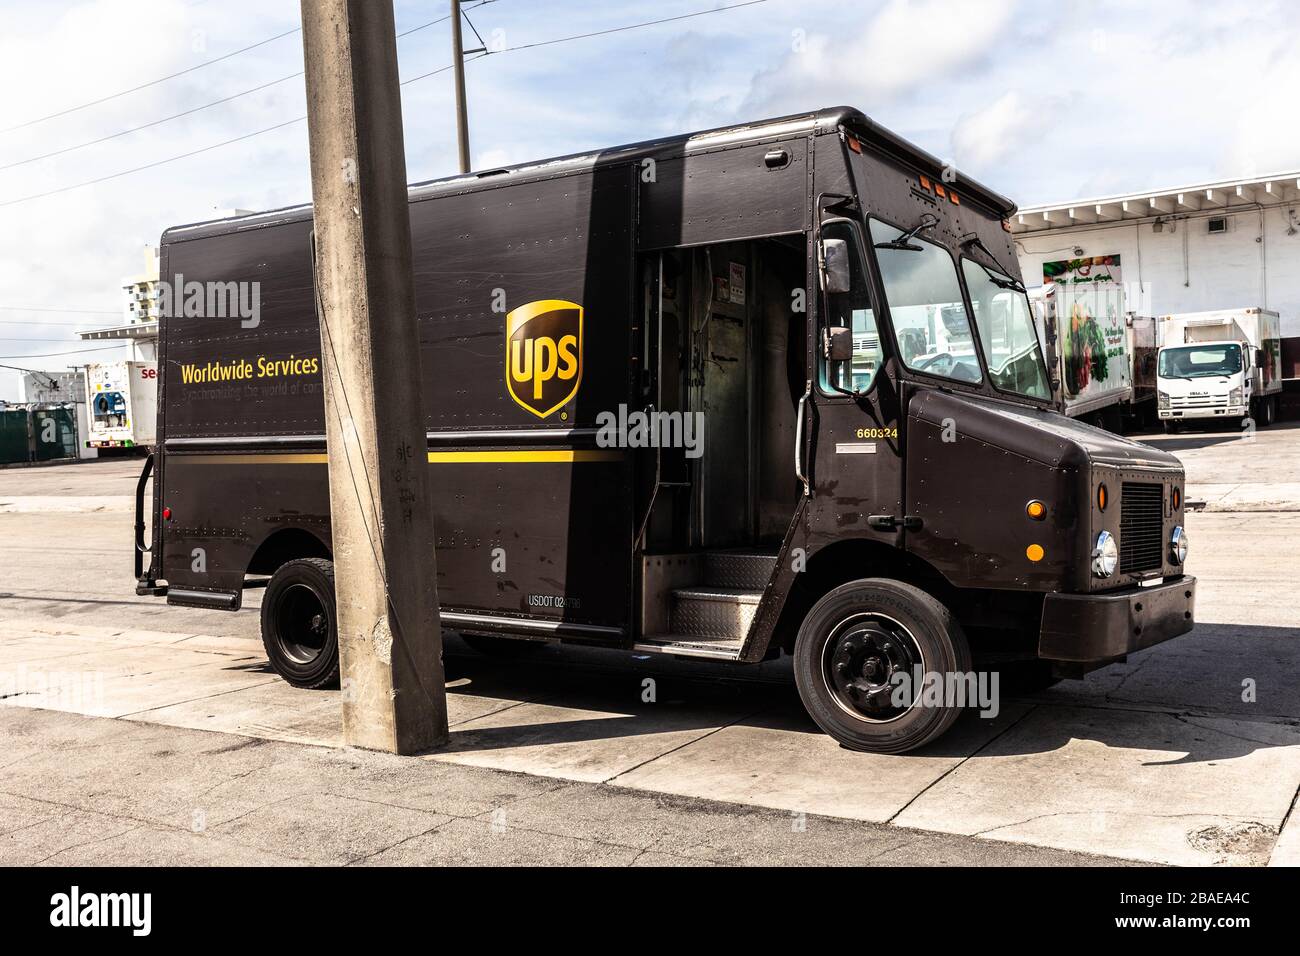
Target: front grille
x=1141, y=527
x=1199, y=401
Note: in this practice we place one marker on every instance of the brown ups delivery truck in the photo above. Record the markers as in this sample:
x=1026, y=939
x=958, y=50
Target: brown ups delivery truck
x=769, y=388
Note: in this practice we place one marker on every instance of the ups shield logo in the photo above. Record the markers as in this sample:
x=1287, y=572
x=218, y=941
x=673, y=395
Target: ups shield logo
x=544, y=354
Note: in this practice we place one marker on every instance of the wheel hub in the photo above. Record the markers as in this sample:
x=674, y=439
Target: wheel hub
x=302, y=624
x=863, y=657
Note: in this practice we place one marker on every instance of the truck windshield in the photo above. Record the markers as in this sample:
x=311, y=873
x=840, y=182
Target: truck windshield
x=925, y=304
x=1006, y=330
x=1200, y=361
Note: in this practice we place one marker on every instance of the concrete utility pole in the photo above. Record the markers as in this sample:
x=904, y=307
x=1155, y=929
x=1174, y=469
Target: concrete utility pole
x=390, y=645
x=458, y=70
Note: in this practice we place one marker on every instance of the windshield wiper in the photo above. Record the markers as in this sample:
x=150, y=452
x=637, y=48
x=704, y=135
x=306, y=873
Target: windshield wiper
x=1001, y=281
x=904, y=242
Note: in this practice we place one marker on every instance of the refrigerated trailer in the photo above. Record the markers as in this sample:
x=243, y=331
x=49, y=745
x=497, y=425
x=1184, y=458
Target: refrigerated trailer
x=766, y=389
x=122, y=404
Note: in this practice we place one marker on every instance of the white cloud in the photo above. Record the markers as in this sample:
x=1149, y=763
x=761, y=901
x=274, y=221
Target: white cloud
x=907, y=45
x=982, y=139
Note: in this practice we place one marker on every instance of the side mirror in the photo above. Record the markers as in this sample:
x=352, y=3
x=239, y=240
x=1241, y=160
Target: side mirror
x=1259, y=357
x=837, y=277
x=837, y=344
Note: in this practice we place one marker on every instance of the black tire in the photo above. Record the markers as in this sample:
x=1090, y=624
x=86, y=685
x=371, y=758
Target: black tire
x=874, y=620
x=1172, y=428
x=300, y=623
x=1267, y=413
x=506, y=648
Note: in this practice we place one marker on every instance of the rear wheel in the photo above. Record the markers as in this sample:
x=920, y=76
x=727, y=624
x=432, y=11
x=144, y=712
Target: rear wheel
x=300, y=623
x=852, y=653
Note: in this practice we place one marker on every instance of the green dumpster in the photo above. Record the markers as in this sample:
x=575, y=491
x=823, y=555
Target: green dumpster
x=13, y=435
x=54, y=433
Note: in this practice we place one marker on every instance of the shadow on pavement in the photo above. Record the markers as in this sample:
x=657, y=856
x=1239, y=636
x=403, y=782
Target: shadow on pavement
x=1184, y=698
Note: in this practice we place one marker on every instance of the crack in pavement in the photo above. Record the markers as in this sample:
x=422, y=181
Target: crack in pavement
x=947, y=773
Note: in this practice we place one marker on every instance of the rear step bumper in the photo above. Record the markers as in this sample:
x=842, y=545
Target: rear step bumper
x=683, y=645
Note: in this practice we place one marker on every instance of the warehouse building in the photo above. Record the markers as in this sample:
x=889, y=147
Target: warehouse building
x=1219, y=245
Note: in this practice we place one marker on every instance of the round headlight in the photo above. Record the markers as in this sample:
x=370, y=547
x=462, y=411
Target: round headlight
x=1178, y=546
x=1105, y=555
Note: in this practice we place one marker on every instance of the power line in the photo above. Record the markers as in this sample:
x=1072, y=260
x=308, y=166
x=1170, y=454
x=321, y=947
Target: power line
x=69, y=352
x=157, y=122
x=630, y=26
x=40, y=325
x=422, y=76
x=193, y=152
x=35, y=308
x=161, y=162
x=144, y=86
x=204, y=106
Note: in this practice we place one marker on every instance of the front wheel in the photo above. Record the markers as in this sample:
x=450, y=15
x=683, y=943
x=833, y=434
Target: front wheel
x=300, y=623
x=864, y=658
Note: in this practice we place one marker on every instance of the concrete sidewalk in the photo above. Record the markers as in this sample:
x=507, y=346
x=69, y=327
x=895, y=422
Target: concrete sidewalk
x=1070, y=770
x=84, y=791
x=1231, y=473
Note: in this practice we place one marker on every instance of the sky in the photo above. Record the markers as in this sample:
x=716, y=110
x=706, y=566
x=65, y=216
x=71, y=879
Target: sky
x=1042, y=102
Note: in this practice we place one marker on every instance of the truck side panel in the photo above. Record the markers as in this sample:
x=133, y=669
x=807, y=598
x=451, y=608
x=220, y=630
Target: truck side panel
x=513, y=485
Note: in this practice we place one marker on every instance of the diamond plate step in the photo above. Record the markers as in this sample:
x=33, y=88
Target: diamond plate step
x=713, y=613
x=742, y=570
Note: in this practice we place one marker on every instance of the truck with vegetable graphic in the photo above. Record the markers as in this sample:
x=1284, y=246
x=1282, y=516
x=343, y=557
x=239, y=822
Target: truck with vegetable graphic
x=1081, y=315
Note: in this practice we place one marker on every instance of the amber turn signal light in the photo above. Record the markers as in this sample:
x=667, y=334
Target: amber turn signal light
x=1103, y=497
x=1178, y=498
x=1036, y=510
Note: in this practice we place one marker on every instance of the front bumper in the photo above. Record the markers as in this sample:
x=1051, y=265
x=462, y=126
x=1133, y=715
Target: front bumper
x=1220, y=411
x=1089, y=628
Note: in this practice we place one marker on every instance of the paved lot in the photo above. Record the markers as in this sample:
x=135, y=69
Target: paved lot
x=1187, y=754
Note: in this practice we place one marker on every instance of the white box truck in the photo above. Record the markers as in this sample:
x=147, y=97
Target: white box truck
x=122, y=398
x=1224, y=364
x=1088, y=342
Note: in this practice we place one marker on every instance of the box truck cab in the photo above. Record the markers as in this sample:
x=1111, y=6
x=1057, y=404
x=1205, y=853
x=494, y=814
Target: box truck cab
x=766, y=390
x=1224, y=365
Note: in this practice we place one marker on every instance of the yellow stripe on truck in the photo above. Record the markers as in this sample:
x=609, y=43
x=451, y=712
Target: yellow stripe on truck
x=532, y=456
x=435, y=457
